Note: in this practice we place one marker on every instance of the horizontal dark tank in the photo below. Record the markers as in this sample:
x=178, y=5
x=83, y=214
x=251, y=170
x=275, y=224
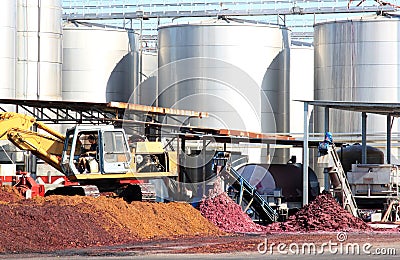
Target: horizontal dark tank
x=288, y=177
x=352, y=154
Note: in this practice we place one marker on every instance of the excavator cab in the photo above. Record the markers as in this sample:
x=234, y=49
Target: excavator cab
x=112, y=155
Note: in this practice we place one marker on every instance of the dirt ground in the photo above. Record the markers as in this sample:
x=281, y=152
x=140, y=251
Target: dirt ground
x=375, y=244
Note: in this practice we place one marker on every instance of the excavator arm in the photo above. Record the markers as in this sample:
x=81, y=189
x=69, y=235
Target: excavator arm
x=10, y=120
x=47, y=148
x=15, y=127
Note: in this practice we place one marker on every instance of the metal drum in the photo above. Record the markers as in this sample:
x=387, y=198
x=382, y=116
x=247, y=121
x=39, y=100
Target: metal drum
x=357, y=60
x=99, y=63
x=266, y=178
x=8, y=25
x=301, y=87
x=39, y=49
x=146, y=92
x=352, y=154
x=149, y=64
x=236, y=71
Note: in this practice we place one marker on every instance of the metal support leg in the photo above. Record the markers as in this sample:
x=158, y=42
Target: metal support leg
x=326, y=117
x=203, y=151
x=327, y=183
x=241, y=192
x=364, y=137
x=388, y=138
x=305, y=155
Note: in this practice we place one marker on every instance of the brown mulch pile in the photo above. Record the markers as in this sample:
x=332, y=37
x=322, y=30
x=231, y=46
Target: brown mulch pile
x=226, y=214
x=322, y=214
x=62, y=222
x=9, y=194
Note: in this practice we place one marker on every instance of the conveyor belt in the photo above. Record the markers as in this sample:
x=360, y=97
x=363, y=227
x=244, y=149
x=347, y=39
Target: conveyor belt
x=250, y=195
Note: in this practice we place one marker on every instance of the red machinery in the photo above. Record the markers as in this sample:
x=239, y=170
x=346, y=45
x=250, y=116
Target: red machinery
x=28, y=187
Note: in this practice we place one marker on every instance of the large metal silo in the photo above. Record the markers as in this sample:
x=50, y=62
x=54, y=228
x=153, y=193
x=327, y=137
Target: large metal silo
x=8, y=23
x=237, y=71
x=357, y=60
x=146, y=92
x=39, y=49
x=149, y=64
x=301, y=86
x=99, y=63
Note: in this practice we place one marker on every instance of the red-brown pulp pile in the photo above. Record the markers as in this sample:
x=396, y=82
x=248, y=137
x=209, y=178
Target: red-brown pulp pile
x=226, y=214
x=61, y=222
x=322, y=214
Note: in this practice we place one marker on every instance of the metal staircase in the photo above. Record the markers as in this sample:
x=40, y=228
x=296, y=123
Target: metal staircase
x=249, y=194
x=341, y=186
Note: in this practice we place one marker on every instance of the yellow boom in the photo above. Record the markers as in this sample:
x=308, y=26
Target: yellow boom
x=10, y=120
x=45, y=147
x=15, y=127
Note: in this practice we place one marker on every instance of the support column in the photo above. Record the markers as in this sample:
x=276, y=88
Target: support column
x=326, y=118
x=388, y=138
x=327, y=183
x=305, y=154
x=182, y=157
x=203, y=154
x=364, y=137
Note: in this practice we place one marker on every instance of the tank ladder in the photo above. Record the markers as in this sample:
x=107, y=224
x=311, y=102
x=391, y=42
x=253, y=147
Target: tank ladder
x=343, y=191
x=249, y=193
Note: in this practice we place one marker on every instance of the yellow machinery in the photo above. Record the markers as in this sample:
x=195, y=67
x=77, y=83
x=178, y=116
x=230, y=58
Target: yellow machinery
x=115, y=164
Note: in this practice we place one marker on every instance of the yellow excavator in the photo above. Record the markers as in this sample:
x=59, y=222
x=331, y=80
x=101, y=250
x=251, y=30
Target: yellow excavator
x=116, y=164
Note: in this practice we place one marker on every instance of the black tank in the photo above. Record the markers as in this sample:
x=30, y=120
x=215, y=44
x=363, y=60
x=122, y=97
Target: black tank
x=352, y=154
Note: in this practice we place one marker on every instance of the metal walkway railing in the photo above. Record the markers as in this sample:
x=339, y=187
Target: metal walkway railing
x=341, y=189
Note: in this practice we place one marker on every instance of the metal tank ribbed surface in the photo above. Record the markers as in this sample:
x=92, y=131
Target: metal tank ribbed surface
x=39, y=49
x=8, y=23
x=357, y=60
x=99, y=63
x=237, y=71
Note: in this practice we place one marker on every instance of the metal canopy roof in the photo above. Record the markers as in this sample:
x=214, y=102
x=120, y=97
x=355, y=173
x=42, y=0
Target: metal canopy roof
x=120, y=113
x=188, y=132
x=114, y=112
x=89, y=112
x=389, y=110
x=392, y=109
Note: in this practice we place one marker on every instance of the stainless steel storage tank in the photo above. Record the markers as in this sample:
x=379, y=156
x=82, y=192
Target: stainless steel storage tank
x=99, y=63
x=357, y=60
x=146, y=92
x=149, y=64
x=8, y=23
x=301, y=87
x=235, y=70
x=39, y=49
